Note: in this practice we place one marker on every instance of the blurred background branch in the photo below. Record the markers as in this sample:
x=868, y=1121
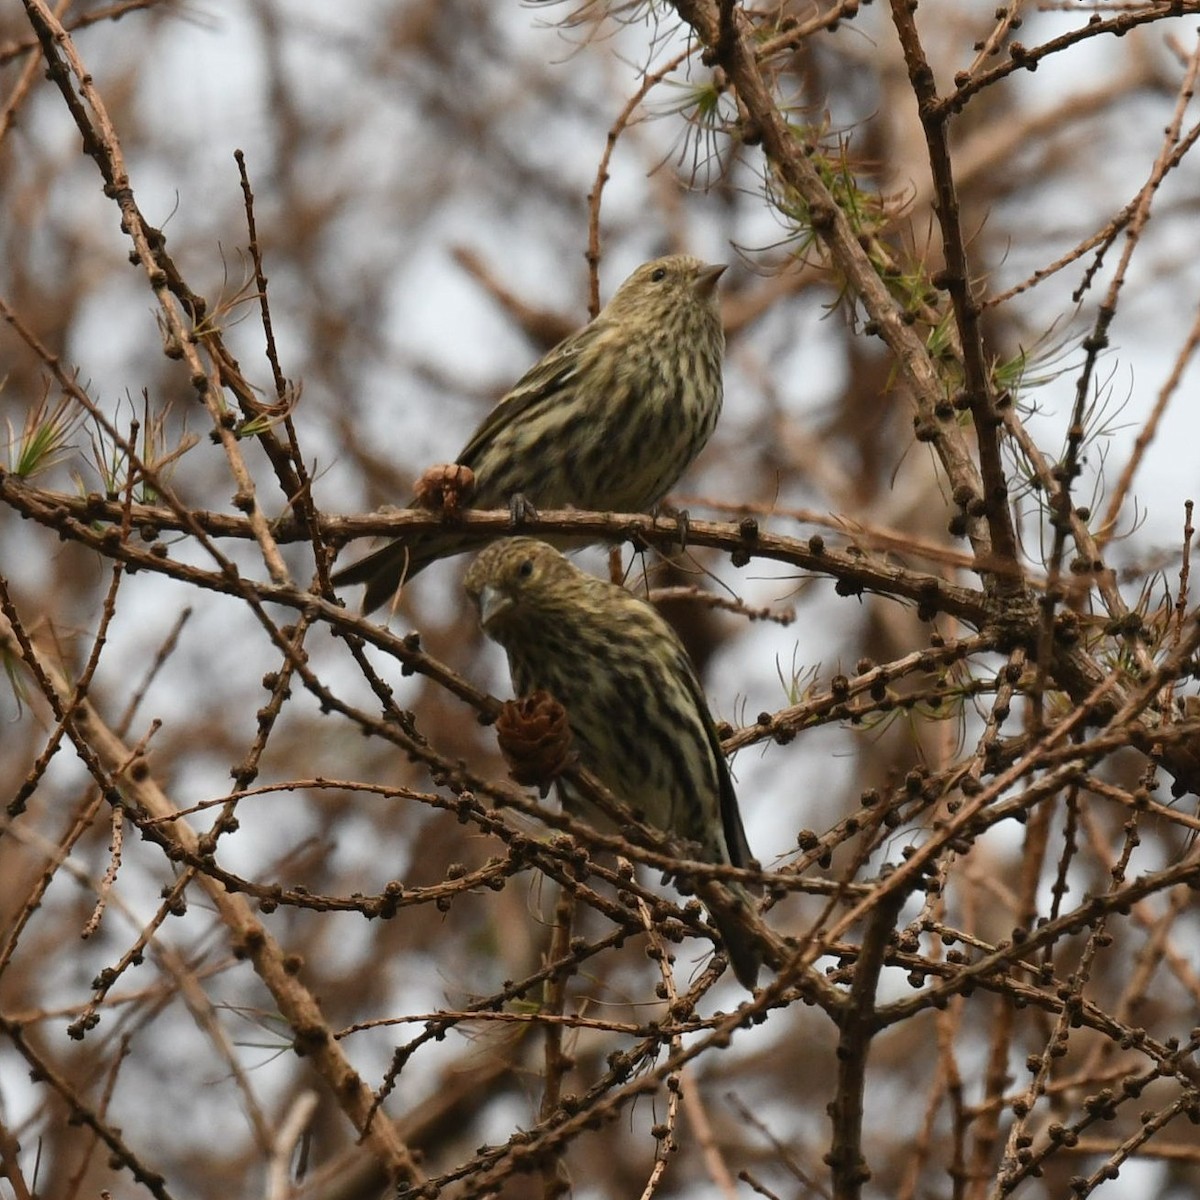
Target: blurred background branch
x=273, y=918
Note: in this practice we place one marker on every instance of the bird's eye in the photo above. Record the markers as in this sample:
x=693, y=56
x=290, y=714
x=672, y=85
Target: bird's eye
x=525, y=569
x=658, y=274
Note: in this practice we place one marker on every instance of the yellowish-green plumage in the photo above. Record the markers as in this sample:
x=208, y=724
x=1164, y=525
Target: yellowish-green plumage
x=637, y=713
x=607, y=421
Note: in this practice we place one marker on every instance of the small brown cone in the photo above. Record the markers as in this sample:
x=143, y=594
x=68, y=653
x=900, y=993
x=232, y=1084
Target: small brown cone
x=534, y=738
x=445, y=488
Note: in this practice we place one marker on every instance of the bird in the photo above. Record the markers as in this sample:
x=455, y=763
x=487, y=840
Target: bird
x=608, y=420
x=634, y=705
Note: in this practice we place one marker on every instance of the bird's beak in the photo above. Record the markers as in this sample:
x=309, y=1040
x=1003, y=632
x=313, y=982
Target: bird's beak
x=706, y=278
x=492, y=602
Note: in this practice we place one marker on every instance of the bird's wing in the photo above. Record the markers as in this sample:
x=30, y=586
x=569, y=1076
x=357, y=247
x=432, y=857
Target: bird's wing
x=731, y=817
x=542, y=381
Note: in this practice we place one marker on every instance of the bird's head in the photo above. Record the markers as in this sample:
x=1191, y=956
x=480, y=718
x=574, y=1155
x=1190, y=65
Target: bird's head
x=511, y=579
x=663, y=284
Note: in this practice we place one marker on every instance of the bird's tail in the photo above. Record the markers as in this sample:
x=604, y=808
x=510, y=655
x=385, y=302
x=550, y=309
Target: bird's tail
x=387, y=568
x=382, y=572
x=732, y=910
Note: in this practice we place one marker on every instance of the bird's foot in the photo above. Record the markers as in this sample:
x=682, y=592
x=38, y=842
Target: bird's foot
x=521, y=509
x=682, y=521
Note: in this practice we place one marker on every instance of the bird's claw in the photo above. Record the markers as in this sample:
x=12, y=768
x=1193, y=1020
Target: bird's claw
x=521, y=509
x=682, y=521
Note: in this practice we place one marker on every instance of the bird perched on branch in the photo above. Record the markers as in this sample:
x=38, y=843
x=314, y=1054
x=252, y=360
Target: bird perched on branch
x=637, y=715
x=607, y=421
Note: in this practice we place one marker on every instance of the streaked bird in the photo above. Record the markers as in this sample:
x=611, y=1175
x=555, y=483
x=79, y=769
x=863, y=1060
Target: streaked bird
x=607, y=421
x=636, y=711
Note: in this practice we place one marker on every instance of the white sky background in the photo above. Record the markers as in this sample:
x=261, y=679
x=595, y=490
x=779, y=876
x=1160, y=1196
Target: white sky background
x=209, y=90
